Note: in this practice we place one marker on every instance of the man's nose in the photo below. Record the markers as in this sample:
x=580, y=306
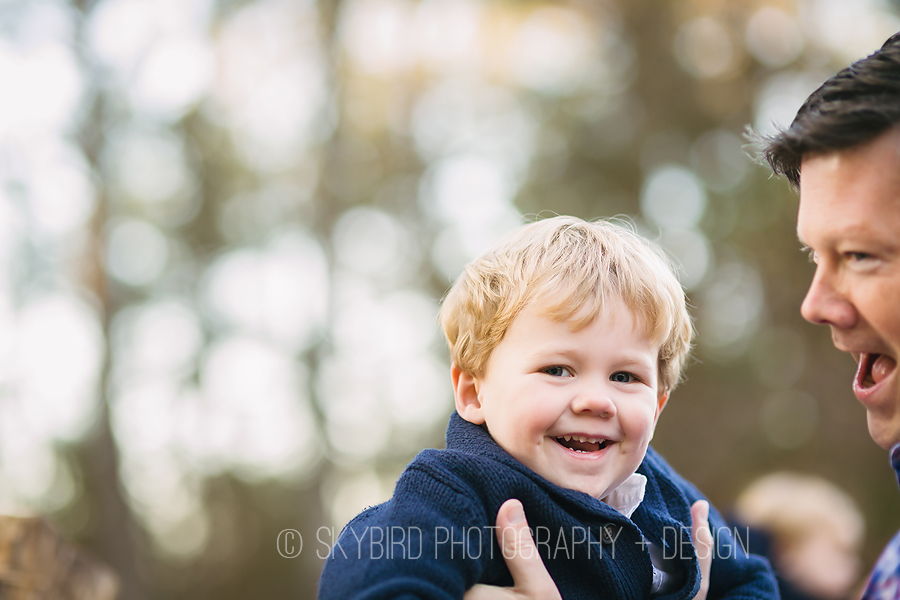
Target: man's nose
x=826, y=304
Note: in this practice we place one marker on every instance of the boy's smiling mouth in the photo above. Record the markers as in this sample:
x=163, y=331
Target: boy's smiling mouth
x=579, y=443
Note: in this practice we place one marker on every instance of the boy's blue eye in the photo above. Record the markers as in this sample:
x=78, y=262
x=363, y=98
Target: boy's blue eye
x=622, y=377
x=557, y=371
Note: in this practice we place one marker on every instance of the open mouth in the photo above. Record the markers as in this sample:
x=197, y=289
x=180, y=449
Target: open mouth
x=582, y=444
x=873, y=369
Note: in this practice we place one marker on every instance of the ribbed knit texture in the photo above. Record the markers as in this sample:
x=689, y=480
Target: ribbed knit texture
x=402, y=548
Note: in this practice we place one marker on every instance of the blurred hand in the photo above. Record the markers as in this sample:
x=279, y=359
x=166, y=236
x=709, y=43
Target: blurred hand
x=703, y=543
x=530, y=578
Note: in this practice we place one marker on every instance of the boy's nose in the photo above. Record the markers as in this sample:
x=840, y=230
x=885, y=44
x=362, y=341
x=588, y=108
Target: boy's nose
x=594, y=402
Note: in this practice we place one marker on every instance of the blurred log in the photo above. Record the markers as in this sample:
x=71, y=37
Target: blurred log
x=36, y=563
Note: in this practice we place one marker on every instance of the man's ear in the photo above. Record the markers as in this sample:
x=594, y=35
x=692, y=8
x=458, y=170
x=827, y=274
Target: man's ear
x=465, y=392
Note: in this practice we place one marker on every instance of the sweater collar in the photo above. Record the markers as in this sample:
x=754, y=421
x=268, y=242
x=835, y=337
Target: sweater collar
x=475, y=439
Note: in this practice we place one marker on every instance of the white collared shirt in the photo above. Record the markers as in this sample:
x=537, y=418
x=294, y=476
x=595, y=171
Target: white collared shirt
x=625, y=499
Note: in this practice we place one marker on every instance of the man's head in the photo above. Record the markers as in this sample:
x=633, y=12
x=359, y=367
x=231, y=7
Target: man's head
x=843, y=151
x=566, y=337
x=851, y=108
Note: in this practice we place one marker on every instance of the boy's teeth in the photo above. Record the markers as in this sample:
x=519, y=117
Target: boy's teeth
x=582, y=444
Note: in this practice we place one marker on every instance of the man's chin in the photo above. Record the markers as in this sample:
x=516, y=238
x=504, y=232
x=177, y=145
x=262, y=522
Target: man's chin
x=885, y=432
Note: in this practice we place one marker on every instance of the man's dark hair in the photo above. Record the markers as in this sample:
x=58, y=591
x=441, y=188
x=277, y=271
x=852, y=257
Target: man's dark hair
x=852, y=107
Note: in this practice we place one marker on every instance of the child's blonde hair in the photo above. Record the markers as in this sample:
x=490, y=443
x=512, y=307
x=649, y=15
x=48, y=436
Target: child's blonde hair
x=565, y=264
x=793, y=506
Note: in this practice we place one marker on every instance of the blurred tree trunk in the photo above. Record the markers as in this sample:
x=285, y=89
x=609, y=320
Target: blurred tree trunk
x=113, y=527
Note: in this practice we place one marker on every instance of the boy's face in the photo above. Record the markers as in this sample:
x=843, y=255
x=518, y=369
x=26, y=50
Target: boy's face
x=577, y=407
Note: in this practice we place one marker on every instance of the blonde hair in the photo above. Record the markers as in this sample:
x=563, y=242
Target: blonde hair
x=791, y=506
x=565, y=264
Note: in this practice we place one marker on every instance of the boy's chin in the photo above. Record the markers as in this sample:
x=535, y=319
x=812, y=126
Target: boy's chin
x=594, y=491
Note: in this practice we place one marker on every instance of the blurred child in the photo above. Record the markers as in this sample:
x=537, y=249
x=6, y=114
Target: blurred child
x=815, y=531
x=566, y=338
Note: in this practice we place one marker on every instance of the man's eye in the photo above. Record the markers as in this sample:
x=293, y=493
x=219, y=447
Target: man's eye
x=857, y=256
x=622, y=377
x=558, y=371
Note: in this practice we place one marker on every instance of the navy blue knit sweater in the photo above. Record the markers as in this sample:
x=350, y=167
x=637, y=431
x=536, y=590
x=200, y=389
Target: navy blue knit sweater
x=434, y=538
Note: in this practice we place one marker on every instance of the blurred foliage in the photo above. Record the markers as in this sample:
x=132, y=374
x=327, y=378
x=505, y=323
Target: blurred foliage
x=278, y=194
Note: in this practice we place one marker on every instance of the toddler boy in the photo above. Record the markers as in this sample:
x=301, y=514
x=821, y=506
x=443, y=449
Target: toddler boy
x=566, y=338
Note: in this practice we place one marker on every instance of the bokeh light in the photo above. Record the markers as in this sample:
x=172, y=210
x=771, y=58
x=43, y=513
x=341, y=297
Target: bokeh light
x=774, y=37
x=704, y=47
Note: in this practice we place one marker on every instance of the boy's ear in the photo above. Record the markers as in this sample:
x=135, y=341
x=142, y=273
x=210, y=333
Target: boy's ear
x=465, y=392
x=660, y=405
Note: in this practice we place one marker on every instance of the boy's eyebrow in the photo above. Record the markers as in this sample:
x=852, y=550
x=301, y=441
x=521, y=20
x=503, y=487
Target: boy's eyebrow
x=551, y=352
x=640, y=362
x=545, y=351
